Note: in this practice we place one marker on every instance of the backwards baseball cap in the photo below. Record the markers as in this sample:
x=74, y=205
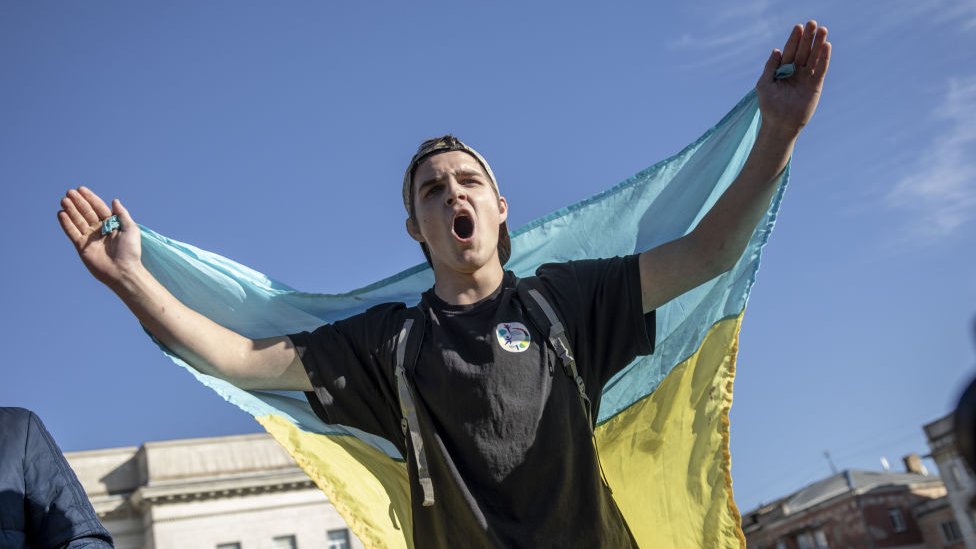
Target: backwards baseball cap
x=448, y=143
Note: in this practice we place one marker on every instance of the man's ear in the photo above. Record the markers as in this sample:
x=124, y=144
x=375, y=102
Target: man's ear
x=413, y=230
x=503, y=208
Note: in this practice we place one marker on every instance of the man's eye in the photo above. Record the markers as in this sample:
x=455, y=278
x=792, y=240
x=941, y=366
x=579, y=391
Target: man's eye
x=432, y=190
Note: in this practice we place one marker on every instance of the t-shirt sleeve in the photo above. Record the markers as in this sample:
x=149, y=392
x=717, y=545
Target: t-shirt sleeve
x=349, y=364
x=600, y=301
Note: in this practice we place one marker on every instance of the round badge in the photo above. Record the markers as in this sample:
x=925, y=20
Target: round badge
x=513, y=336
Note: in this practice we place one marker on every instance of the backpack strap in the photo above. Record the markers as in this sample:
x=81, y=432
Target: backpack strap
x=545, y=319
x=406, y=360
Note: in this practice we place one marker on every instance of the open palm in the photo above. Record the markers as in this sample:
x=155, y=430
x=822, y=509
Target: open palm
x=109, y=256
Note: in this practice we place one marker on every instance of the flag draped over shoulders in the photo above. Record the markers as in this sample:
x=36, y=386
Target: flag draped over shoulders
x=663, y=425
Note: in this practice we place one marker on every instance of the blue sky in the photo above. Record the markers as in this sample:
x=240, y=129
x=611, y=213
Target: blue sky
x=276, y=134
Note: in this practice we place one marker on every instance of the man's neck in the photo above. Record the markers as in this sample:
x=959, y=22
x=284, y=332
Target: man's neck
x=458, y=288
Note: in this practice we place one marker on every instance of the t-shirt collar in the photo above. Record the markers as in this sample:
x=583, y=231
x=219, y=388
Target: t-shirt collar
x=430, y=298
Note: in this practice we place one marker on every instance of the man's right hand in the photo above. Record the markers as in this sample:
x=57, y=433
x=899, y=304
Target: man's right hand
x=116, y=260
x=108, y=257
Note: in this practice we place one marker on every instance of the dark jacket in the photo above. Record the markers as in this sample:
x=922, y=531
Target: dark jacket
x=42, y=504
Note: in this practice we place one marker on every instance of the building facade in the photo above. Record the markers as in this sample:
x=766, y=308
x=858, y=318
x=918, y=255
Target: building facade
x=853, y=508
x=959, y=482
x=236, y=492
x=938, y=524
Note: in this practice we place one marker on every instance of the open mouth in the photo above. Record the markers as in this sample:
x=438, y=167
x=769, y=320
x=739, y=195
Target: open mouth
x=463, y=227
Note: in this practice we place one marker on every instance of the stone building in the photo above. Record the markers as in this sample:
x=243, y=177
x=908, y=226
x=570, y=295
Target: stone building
x=958, y=477
x=853, y=508
x=235, y=492
x=938, y=524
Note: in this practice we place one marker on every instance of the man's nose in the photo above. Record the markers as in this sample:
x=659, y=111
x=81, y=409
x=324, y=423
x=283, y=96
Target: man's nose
x=454, y=193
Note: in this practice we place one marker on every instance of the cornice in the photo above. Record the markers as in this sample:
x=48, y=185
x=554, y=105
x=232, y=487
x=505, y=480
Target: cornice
x=219, y=488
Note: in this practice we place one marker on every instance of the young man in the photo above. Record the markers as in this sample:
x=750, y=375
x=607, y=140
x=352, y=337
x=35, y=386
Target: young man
x=509, y=460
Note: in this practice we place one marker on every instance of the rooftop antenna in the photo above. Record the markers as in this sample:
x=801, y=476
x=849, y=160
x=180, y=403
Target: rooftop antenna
x=833, y=467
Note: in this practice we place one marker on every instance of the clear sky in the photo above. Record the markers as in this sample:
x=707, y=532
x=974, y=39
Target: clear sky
x=276, y=134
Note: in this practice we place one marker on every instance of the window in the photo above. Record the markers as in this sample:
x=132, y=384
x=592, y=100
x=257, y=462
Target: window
x=958, y=476
x=897, y=520
x=815, y=539
x=231, y=545
x=338, y=539
x=283, y=542
x=950, y=532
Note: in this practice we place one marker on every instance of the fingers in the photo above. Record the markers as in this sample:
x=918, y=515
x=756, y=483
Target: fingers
x=83, y=207
x=804, y=45
x=806, y=41
x=792, y=43
x=124, y=218
x=823, y=62
x=69, y=228
x=769, y=71
x=69, y=209
x=97, y=204
x=819, y=39
x=81, y=212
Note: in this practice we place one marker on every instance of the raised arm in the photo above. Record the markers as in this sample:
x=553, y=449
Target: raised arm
x=115, y=260
x=718, y=241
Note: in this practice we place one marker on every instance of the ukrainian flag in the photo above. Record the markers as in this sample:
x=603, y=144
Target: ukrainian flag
x=663, y=426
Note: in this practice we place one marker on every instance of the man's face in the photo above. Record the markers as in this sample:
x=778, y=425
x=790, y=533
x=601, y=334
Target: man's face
x=457, y=212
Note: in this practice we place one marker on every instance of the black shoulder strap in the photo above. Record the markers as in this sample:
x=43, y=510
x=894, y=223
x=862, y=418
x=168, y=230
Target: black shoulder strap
x=407, y=352
x=543, y=316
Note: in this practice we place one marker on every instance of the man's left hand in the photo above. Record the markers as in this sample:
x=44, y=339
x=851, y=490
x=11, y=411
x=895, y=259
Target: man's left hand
x=788, y=104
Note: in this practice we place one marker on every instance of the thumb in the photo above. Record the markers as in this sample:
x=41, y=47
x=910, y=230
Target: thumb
x=769, y=71
x=125, y=219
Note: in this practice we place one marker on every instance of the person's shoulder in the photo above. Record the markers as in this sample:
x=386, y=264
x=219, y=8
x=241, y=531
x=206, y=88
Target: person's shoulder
x=554, y=267
x=385, y=311
x=13, y=414
x=16, y=424
x=574, y=267
x=383, y=316
x=378, y=311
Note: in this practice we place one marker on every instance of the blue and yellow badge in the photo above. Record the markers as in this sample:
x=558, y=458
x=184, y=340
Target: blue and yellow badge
x=513, y=336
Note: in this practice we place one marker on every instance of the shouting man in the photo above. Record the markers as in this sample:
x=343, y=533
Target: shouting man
x=497, y=438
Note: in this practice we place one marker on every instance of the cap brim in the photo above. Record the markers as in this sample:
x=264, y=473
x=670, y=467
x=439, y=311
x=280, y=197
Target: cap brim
x=504, y=244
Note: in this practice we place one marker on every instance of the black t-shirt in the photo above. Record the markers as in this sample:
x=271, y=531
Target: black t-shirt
x=509, y=452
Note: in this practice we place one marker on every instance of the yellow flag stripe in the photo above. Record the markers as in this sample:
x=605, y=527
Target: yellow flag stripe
x=666, y=457
x=368, y=488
